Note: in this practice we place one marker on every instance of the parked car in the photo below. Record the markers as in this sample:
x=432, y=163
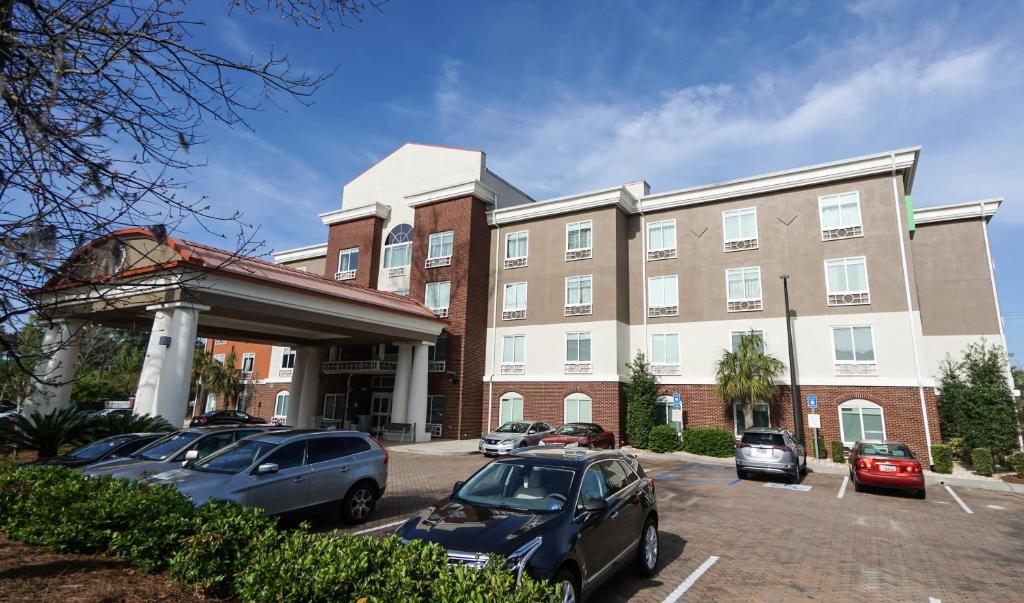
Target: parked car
x=512, y=435
x=113, y=411
x=118, y=446
x=226, y=417
x=572, y=516
x=771, y=450
x=886, y=465
x=287, y=470
x=171, y=451
x=589, y=435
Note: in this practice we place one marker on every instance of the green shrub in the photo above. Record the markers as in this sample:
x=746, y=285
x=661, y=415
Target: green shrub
x=1017, y=462
x=942, y=458
x=981, y=458
x=709, y=442
x=960, y=450
x=641, y=401
x=837, y=452
x=822, y=448
x=663, y=438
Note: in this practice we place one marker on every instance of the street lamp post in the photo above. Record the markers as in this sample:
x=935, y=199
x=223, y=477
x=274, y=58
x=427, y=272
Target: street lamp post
x=794, y=389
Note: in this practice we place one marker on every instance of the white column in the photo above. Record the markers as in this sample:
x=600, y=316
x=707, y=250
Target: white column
x=418, y=392
x=60, y=345
x=145, y=394
x=400, y=397
x=295, y=389
x=310, y=366
x=171, y=399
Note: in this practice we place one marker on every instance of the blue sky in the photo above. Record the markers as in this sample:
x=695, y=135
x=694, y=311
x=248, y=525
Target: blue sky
x=571, y=96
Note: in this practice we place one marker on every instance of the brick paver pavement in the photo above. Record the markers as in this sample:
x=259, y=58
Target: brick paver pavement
x=776, y=544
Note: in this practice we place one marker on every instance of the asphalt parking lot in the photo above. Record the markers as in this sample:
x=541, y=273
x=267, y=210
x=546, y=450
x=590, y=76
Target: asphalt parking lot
x=723, y=539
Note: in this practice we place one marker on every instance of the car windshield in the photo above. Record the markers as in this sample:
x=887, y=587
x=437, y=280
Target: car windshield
x=519, y=487
x=572, y=430
x=513, y=427
x=236, y=457
x=763, y=439
x=163, y=448
x=895, y=451
x=91, y=452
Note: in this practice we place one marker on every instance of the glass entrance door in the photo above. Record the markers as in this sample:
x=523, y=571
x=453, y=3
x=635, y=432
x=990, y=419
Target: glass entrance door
x=380, y=412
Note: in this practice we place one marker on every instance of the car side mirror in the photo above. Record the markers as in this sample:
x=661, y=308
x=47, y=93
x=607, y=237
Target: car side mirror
x=456, y=486
x=266, y=468
x=531, y=432
x=190, y=458
x=594, y=509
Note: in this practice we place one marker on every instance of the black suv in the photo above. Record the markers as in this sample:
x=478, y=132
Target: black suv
x=572, y=516
x=226, y=417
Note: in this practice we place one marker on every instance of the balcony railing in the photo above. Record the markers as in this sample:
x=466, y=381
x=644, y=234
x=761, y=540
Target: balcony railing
x=579, y=310
x=399, y=271
x=345, y=275
x=513, y=315
x=741, y=245
x=436, y=366
x=284, y=373
x=656, y=311
x=665, y=369
x=515, y=263
x=746, y=305
x=849, y=299
x=247, y=375
x=847, y=232
x=661, y=254
x=856, y=369
x=358, y=366
x=578, y=368
x=440, y=312
x=512, y=369
x=578, y=254
x=438, y=262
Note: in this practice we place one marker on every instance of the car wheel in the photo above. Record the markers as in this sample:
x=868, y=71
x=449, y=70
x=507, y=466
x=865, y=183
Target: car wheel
x=920, y=494
x=647, y=553
x=570, y=585
x=794, y=478
x=803, y=469
x=856, y=485
x=741, y=473
x=358, y=504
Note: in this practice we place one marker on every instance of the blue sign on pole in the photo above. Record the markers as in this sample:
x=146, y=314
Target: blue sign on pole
x=677, y=401
x=812, y=401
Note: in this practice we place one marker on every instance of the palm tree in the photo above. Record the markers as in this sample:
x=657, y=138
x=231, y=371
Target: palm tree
x=204, y=374
x=48, y=434
x=748, y=375
x=226, y=378
x=117, y=424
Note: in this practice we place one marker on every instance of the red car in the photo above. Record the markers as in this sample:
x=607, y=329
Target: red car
x=588, y=435
x=886, y=465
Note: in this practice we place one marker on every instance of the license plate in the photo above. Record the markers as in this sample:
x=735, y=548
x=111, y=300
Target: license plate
x=888, y=468
x=762, y=452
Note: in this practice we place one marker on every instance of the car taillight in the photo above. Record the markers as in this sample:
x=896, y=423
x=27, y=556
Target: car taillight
x=203, y=419
x=783, y=448
x=386, y=456
x=863, y=464
x=912, y=468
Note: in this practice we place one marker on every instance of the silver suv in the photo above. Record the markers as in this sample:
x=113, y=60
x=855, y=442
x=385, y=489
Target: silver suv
x=287, y=470
x=770, y=450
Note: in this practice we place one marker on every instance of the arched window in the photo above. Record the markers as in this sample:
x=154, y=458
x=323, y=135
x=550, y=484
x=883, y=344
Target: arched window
x=511, y=407
x=578, y=409
x=398, y=247
x=861, y=421
x=281, y=404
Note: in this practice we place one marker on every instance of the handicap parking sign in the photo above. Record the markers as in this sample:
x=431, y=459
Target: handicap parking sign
x=812, y=401
x=677, y=401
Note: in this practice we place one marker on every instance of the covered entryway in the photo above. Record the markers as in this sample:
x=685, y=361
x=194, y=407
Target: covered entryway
x=178, y=290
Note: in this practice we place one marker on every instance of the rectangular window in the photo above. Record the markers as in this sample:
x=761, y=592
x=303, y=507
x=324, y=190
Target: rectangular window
x=663, y=296
x=288, y=359
x=578, y=295
x=762, y=417
x=437, y=356
x=847, y=281
x=577, y=352
x=397, y=256
x=248, y=360
x=840, y=216
x=854, y=351
x=513, y=351
x=665, y=353
x=437, y=297
x=513, y=305
x=743, y=287
x=740, y=229
x=219, y=341
x=218, y=358
x=661, y=240
x=435, y=415
x=348, y=262
x=736, y=335
x=579, y=240
x=511, y=408
x=334, y=406
x=439, y=249
x=516, y=249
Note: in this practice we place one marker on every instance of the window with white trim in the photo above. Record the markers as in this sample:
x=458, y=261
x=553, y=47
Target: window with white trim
x=743, y=289
x=510, y=408
x=663, y=295
x=435, y=415
x=281, y=404
x=861, y=421
x=437, y=355
x=853, y=350
x=348, y=263
x=211, y=402
x=248, y=361
x=288, y=358
x=513, y=354
x=661, y=240
x=840, y=216
x=847, y=281
x=219, y=341
x=218, y=358
x=579, y=295
x=577, y=352
x=579, y=240
x=740, y=227
x=665, y=353
x=517, y=248
x=398, y=250
x=762, y=417
x=437, y=297
x=666, y=413
x=578, y=409
x=439, y=249
x=735, y=337
x=513, y=302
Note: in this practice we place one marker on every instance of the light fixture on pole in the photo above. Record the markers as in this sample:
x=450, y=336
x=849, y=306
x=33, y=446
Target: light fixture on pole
x=794, y=389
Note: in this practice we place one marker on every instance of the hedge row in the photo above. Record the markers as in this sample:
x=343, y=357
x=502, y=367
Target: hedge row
x=226, y=550
x=709, y=442
x=664, y=438
x=982, y=460
x=942, y=458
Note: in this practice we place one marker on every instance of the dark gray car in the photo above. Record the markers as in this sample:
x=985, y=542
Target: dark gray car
x=512, y=435
x=770, y=450
x=171, y=451
x=287, y=470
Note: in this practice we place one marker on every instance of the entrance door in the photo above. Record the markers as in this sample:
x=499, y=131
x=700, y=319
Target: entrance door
x=380, y=412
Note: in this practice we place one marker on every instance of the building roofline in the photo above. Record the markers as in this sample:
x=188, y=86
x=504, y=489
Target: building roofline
x=983, y=208
x=300, y=253
x=615, y=195
x=337, y=216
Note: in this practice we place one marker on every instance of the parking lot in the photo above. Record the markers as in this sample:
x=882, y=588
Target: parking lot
x=726, y=539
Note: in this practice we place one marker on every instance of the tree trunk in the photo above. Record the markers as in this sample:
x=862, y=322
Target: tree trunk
x=748, y=415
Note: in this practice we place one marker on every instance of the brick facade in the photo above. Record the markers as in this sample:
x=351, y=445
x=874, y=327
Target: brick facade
x=545, y=401
x=366, y=235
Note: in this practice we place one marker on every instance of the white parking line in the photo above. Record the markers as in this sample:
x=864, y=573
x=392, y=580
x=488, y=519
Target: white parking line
x=842, y=489
x=934, y=600
x=387, y=525
x=690, y=580
x=957, y=498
